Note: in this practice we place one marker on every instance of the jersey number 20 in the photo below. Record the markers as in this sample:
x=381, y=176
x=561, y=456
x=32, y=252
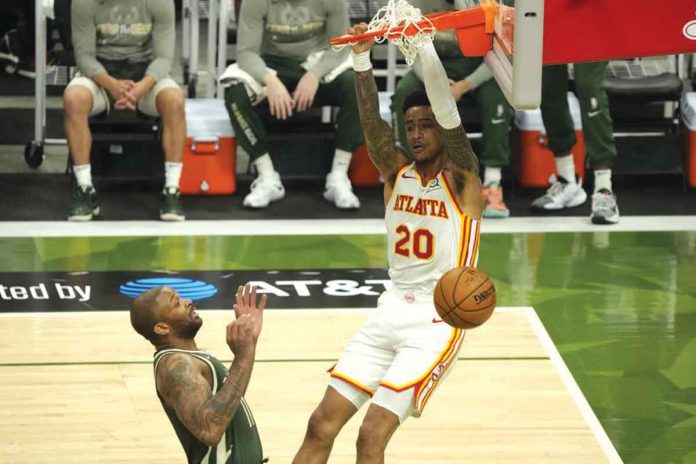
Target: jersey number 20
x=420, y=243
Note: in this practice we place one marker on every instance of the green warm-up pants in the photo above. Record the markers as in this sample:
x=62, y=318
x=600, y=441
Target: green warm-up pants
x=597, y=126
x=495, y=111
x=247, y=123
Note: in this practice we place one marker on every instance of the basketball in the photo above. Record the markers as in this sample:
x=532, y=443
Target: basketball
x=465, y=297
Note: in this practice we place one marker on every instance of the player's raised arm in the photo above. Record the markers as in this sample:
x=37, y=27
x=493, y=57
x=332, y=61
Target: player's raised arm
x=460, y=155
x=183, y=386
x=381, y=144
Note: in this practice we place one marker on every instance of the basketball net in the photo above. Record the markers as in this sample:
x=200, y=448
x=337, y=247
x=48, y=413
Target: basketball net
x=413, y=30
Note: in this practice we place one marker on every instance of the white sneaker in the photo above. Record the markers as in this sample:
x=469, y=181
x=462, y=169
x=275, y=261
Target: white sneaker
x=264, y=190
x=560, y=195
x=605, y=209
x=339, y=191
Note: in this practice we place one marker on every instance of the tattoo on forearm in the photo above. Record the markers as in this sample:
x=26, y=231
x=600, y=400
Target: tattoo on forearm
x=379, y=137
x=224, y=403
x=459, y=151
x=205, y=414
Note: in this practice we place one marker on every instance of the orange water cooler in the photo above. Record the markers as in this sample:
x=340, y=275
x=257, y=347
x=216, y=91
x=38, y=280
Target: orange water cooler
x=534, y=160
x=210, y=150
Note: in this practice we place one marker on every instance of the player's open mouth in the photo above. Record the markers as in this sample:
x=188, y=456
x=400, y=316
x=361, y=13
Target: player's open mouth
x=418, y=148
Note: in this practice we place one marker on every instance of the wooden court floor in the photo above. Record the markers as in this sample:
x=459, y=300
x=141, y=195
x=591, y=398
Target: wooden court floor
x=78, y=388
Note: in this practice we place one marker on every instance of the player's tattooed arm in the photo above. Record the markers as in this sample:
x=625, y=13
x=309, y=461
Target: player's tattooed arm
x=381, y=144
x=184, y=387
x=460, y=154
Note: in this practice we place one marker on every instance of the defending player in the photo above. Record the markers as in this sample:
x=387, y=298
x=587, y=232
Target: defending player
x=203, y=399
x=433, y=207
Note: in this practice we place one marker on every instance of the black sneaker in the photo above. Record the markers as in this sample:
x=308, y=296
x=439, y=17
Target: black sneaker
x=83, y=205
x=605, y=209
x=171, y=209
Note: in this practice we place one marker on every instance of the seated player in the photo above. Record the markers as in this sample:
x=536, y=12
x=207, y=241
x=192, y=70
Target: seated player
x=469, y=76
x=124, y=54
x=277, y=45
x=598, y=129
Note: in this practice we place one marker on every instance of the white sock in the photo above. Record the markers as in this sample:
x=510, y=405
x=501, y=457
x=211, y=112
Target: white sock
x=492, y=176
x=172, y=174
x=602, y=180
x=341, y=161
x=83, y=174
x=264, y=165
x=565, y=166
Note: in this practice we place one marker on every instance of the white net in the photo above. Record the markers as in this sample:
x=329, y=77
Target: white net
x=394, y=19
x=399, y=13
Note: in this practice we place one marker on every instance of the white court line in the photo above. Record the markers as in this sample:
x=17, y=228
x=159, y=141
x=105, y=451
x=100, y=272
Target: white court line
x=326, y=227
x=124, y=313
x=580, y=401
x=542, y=335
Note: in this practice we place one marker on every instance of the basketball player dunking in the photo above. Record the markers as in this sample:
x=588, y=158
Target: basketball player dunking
x=433, y=207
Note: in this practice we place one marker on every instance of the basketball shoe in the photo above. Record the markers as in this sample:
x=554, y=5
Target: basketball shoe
x=495, y=206
x=561, y=194
x=339, y=191
x=264, y=190
x=83, y=205
x=170, y=209
x=605, y=209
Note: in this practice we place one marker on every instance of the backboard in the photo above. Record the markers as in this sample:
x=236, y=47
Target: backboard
x=516, y=57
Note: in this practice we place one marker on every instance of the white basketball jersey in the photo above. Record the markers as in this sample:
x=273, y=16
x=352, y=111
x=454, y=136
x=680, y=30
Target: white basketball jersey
x=427, y=233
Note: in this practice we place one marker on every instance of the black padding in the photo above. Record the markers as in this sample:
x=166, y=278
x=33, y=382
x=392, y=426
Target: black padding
x=664, y=87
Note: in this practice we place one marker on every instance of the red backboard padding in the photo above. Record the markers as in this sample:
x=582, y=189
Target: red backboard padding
x=599, y=30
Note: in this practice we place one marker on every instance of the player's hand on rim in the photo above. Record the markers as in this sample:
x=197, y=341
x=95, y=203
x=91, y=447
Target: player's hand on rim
x=363, y=45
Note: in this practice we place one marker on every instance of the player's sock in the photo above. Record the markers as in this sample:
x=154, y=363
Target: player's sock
x=341, y=161
x=492, y=176
x=83, y=174
x=602, y=180
x=172, y=173
x=565, y=166
x=264, y=165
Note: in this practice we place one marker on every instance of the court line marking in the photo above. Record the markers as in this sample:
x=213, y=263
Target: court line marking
x=125, y=314
x=572, y=387
x=259, y=361
x=540, y=331
x=525, y=224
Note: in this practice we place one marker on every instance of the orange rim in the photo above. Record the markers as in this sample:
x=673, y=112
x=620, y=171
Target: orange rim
x=483, y=15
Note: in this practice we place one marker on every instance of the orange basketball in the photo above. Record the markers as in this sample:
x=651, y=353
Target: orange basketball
x=465, y=297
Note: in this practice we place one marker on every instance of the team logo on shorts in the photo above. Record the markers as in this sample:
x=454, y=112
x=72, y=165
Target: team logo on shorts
x=409, y=297
x=690, y=30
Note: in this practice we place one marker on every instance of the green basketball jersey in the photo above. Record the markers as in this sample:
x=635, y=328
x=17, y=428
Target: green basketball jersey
x=241, y=443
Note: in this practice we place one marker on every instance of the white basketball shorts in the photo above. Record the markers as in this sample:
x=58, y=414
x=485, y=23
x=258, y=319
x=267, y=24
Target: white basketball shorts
x=399, y=355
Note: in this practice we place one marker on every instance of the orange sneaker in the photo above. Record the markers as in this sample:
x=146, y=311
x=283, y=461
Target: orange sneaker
x=495, y=206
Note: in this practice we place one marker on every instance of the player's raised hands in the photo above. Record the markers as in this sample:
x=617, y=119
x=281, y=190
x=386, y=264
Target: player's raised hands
x=243, y=333
x=247, y=304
